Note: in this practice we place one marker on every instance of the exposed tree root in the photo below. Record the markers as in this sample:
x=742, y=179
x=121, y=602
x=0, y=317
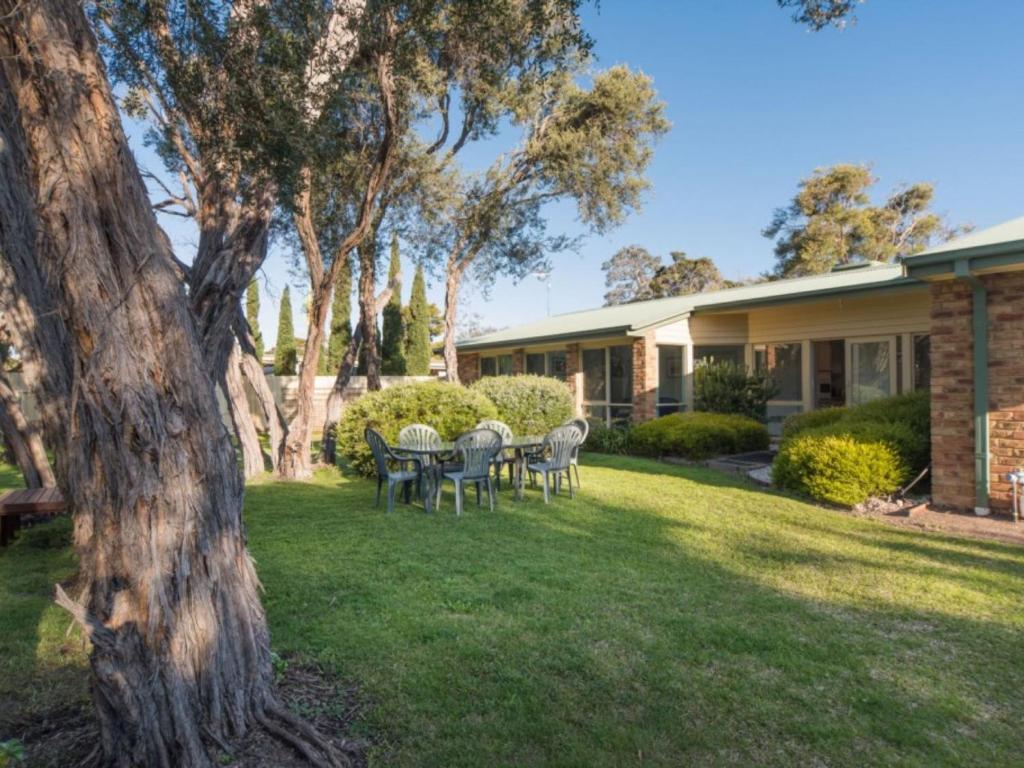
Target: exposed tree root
x=309, y=742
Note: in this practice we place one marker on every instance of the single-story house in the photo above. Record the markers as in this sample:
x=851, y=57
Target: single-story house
x=950, y=320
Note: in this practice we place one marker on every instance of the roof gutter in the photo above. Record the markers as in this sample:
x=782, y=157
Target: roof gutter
x=979, y=326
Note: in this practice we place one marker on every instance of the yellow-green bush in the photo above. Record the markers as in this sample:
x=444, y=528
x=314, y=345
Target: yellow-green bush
x=448, y=408
x=698, y=435
x=843, y=469
x=530, y=405
x=867, y=450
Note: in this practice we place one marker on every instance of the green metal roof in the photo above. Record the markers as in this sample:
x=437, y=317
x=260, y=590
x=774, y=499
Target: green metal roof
x=636, y=317
x=995, y=248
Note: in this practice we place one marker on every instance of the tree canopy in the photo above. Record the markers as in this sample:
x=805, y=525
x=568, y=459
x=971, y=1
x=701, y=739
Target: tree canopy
x=393, y=333
x=633, y=274
x=831, y=221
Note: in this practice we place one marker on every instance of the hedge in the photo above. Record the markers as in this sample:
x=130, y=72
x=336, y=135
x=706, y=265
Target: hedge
x=605, y=439
x=698, y=435
x=846, y=455
x=448, y=408
x=530, y=405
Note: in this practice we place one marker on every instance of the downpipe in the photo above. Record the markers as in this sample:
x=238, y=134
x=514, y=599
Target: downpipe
x=979, y=327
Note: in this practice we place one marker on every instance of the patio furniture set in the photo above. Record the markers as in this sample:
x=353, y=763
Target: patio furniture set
x=421, y=461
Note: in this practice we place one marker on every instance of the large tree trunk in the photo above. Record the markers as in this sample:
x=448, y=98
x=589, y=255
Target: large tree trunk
x=24, y=440
x=233, y=388
x=180, y=650
x=368, y=311
x=297, y=456
x=453, y=280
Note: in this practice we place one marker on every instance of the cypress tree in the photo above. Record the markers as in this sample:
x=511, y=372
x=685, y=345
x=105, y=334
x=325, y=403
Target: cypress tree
x=417, y=330
x=285, y=353
x=252, y=314
x=392, y=357
x=341, y=319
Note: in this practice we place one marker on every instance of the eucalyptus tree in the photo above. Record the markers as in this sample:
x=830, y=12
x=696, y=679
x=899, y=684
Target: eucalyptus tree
x=589, y=144
x=628, y=275
x=683, y=275
x=832, y=220
x=166, y=592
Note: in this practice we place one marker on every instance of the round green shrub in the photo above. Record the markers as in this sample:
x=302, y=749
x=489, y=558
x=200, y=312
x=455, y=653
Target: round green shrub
x=530, y=405
x=698, y=435
x=843, y=469
x=448, y=408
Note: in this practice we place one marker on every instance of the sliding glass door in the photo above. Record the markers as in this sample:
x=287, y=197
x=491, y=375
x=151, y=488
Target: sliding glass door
x=871, y=367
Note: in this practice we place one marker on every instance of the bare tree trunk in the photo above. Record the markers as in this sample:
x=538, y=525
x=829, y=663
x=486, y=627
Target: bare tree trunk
x=297, y=459
x=24, y=440
x=180, y=649
x=332, y=409
x=453, y=280
x=252, y=370
x=233, y=388
x=368, y=310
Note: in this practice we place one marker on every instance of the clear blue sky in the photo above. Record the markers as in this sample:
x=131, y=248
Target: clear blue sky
x=923, y=90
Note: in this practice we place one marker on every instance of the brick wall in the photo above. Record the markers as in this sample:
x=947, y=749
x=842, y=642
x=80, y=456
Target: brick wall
x=573, y=376
x=645, y=378
x=1006, y=381
x=469, y=367
x=952, y=387
x=518, y=362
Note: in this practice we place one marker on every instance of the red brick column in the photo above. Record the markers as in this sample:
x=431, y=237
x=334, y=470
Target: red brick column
x=952, y=395
x=1006, y=382
x=469, y=367
x=518, y=362
x=573, y=376
x=952, y=389
x=645, y=378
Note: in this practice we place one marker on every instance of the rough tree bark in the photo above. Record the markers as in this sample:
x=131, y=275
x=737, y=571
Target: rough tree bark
x=328, y=444
x=233, y=388
x=24, y=440
x=180, y=651
x=453, y=281
x=368, y=311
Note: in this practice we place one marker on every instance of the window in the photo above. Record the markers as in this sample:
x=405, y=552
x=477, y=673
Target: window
x=783, y=363
x=922, y=362
x=670, y=380
x=556, y=365
x=546, y=364
x=504, y=365
x=707, y=354
x=608, y=383
x=871, y=364
x=488, y=366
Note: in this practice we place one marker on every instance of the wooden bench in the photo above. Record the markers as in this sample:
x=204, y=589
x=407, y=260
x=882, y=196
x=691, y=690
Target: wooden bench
x=28, y=501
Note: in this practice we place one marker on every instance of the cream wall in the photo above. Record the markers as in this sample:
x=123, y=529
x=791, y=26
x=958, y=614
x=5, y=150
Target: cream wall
x=880, y=315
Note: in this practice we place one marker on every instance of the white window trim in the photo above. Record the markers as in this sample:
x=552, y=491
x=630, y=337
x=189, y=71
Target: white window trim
x=893, y=378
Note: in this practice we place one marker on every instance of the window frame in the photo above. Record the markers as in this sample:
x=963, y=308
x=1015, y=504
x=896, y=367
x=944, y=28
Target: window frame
x=606, y=406
x=781, y=401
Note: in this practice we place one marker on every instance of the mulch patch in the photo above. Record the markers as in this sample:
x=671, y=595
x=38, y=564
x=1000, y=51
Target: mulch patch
x=998, y=526
x=67, y=736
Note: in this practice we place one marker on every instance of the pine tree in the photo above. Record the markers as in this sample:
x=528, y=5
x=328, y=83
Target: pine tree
x=285, y=353
x=341, y=319
x=392, y=353
x=252, y=314
x=417, y=330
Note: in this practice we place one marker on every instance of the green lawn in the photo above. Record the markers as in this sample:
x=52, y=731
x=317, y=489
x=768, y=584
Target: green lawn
x=668, y=616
